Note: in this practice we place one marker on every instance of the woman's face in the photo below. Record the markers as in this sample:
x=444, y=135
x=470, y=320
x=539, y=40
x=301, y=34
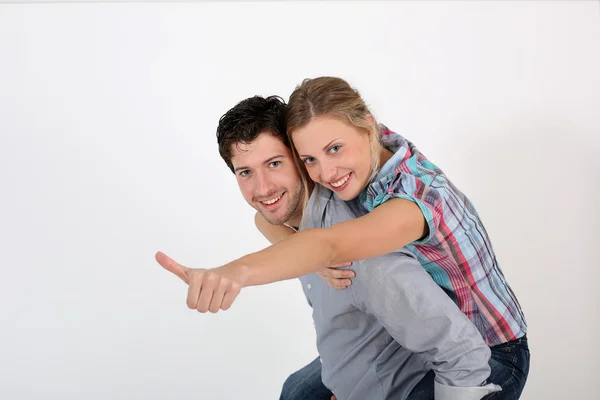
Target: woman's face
x=336, y=155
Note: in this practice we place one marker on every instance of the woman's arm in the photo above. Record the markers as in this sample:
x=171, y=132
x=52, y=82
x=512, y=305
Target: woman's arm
x=388, y=227
x=336, y=278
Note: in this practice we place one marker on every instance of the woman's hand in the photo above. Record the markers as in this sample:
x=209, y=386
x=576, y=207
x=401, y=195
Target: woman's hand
x=208, y=289
x=337, y=278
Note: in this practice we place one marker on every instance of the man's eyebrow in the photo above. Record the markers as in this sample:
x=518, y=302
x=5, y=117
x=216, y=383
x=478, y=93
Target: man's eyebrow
x=270, y=159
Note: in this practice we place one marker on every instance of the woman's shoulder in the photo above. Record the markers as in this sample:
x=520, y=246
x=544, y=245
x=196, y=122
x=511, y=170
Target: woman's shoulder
x=390, y=138
x=407, y=173
x=407, y=159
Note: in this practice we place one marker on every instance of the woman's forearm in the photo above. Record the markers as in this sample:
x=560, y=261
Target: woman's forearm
x=389, y=227
x=304, y=253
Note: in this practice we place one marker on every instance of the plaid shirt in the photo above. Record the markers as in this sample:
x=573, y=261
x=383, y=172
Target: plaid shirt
x=457, y=252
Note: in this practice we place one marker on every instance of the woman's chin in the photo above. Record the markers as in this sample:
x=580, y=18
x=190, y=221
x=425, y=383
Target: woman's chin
x=347, y=194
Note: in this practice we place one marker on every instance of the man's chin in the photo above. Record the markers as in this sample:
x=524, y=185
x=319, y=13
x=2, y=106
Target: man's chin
x=279, y=221
x=273, y=219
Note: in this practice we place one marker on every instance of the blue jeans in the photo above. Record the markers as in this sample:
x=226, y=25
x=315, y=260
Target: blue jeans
x=509, y=365
x=306, y=384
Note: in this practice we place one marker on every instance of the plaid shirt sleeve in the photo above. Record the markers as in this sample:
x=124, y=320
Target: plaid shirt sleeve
x=457, y=251
x=410, y=186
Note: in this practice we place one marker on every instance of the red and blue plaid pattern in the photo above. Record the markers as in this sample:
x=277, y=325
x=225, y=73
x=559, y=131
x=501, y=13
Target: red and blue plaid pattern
x=457, y=252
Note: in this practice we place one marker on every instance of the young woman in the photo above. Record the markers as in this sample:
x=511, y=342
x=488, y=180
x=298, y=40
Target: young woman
x=410, y=202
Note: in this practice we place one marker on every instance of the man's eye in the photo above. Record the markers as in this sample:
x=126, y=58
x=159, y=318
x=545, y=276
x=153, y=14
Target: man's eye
x=244, y=173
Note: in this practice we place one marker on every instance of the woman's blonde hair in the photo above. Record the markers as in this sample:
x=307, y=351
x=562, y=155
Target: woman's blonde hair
x=330, y=97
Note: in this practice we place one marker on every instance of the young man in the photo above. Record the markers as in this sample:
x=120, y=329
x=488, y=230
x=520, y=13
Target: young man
x=392, y=334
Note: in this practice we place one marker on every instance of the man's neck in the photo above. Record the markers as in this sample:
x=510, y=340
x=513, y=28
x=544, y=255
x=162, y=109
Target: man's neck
x=295, y=220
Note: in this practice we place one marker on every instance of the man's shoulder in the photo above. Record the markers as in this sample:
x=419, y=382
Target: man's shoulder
x=316, y=208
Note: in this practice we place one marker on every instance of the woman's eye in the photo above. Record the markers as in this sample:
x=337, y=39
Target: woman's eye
x=309, y=160
x=275, y=164
x=335, y=149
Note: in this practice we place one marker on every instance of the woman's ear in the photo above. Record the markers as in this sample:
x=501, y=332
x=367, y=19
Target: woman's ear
x=374, y=127
x=371, y=120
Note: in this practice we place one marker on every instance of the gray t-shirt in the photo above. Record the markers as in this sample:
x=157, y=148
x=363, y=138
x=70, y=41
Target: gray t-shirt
x=379, y=337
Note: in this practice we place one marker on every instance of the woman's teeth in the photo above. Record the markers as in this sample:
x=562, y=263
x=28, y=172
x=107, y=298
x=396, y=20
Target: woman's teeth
x=341, y=181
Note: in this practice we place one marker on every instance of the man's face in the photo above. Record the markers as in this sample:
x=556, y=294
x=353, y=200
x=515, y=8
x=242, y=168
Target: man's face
x=268, y=178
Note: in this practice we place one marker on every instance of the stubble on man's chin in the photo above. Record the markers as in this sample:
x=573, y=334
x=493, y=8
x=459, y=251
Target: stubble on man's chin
x=268, y=218
x=280, y=221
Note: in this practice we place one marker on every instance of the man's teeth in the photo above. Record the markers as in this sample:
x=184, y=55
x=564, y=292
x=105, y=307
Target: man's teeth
x=272, y=201
x=341, y=181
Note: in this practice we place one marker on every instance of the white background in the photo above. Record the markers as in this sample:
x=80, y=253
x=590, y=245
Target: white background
x=108, y=154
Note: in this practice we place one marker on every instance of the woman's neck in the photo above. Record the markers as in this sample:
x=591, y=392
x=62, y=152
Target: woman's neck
x=384, y=156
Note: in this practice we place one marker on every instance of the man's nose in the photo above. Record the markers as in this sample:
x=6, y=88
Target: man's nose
x=264, y=186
